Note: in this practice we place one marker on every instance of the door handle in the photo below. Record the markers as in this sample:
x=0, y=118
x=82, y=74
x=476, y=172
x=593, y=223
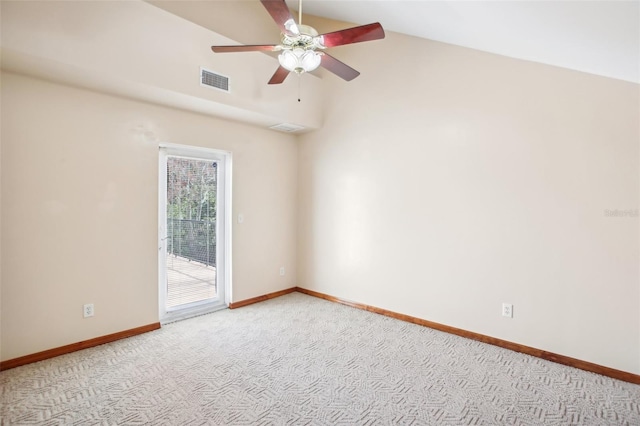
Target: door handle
x=162, y=240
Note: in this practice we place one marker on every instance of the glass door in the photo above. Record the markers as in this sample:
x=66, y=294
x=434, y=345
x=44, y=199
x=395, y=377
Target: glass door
x=191, y=250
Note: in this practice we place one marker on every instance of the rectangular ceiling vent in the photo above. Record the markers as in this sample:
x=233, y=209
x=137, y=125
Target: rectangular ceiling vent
x=212, y=79
x=286, y=127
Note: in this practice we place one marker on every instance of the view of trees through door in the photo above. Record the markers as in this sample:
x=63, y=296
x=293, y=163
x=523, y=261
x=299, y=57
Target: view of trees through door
x=192, y=187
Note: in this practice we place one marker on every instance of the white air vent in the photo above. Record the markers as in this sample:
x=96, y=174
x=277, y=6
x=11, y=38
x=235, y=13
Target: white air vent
x=286, y=127
x=212, y=79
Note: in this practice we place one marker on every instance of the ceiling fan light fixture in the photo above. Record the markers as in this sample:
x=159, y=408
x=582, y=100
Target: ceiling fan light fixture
x=310, y=60
x=299, y=60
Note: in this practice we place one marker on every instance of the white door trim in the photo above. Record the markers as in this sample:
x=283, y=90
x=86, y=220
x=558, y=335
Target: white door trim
x=223, y=227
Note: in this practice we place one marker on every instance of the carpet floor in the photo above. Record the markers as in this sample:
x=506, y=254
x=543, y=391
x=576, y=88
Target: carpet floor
x=299, y=360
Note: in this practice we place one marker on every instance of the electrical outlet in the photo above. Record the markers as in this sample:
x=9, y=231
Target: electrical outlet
x=282, y=270
x=507, y=310
x=87, y=310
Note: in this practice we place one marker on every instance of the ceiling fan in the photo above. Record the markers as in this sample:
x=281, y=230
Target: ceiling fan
x=302, y=48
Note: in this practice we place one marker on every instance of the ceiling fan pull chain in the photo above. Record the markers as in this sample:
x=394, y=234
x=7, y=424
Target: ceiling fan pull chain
x=299, y=78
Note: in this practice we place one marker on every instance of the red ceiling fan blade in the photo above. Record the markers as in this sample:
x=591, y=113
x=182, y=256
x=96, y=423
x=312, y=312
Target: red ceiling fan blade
x=280, y=13
x=279, y=76
x=353, y=35
x=340, y=69
x=249, y=48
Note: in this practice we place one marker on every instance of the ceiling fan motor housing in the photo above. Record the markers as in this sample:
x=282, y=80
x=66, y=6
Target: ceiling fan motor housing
x=307, y=38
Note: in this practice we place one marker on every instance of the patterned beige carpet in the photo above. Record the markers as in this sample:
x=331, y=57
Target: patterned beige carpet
x=303, y=361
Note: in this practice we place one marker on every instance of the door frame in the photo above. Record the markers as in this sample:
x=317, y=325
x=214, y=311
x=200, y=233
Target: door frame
x=223, y=228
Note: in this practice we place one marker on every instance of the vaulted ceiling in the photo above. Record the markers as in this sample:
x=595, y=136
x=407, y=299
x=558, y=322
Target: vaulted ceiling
x=153, y=50
x=598, y=37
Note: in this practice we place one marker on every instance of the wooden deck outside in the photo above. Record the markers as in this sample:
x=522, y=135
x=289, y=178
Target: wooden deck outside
x=189, y=281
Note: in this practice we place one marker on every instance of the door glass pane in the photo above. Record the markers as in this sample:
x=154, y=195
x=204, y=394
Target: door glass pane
x=191, y=231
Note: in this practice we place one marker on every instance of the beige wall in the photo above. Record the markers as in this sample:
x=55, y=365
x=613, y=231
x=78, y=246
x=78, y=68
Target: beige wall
x=80, y=204
x=446, y=181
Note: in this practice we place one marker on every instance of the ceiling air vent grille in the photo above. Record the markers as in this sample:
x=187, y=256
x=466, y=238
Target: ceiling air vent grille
x=212, y=79
x=286, y=127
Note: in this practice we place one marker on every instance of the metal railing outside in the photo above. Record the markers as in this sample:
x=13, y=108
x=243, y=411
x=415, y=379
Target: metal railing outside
x=192, y=239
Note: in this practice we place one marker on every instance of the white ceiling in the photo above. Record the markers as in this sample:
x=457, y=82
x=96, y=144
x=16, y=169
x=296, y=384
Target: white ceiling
x=598, y=37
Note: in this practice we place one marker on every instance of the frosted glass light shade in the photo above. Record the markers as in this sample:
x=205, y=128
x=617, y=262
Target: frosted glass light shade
x=299, y=60
x=310, y=60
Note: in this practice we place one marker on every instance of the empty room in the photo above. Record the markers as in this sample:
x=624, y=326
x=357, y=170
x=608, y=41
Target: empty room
x=320, y=212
